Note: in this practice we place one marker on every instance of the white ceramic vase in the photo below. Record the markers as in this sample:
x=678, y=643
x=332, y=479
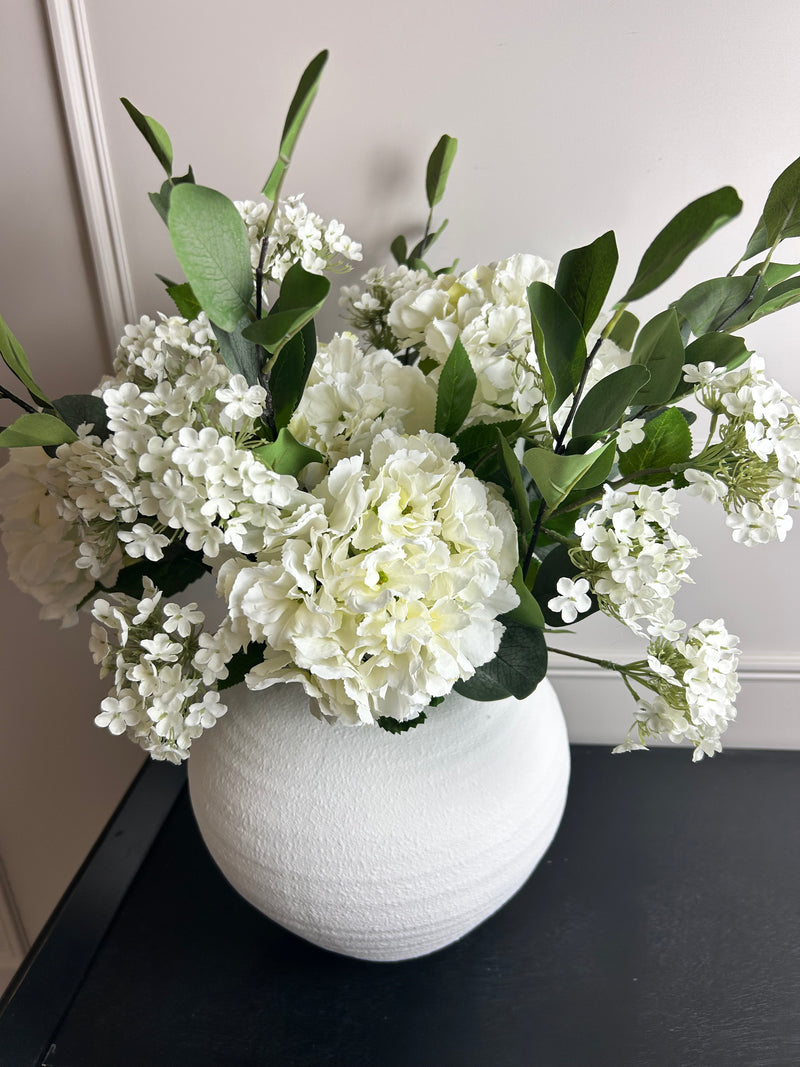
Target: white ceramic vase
x=375, y=845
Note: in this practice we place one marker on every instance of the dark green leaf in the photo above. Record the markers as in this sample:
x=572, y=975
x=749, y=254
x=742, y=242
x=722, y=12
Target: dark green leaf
x=439, y=164
x=154, y=133
x=527, y=613
x=512, y=467
x=782, y=209
x=606, y=403
x=667, y=442
x=559, y=340
x=720, y=303
x=721, y=349
x=241, y=663
x=399, y=249
x=296, y=116
x=17, y=362
x=394, y=726
x=289, y=375
x=585, y=275
x=516, y=670
x=555, y=475
x=286, y=455
x=659, y=348
x=455, y=392
x=184, y=300
x=302, y=295
x=556, y=564
x=624, y=331
x=37, y=428
x=419, y=250
x=601, y=468
x=685, y=232
x=211, y=243
x=477, y=440
x=774, y=273
x=778, y=297
x=77, y=409
x=240, y=355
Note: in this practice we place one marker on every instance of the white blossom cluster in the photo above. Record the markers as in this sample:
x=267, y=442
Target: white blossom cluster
x=297, y=236
x=390, y=590
x=633, y=558
x=694, y=684
x=755, y=470
x=367, y=305
x=352, y=396
x=165, y=670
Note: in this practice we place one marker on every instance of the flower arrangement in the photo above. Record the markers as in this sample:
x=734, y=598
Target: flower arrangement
x=486, y=457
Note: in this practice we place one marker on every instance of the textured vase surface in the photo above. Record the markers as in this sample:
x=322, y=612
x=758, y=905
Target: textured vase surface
x=375, y=845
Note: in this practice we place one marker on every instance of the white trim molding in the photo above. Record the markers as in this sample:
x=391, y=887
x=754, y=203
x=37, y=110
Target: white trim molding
x=69, y=33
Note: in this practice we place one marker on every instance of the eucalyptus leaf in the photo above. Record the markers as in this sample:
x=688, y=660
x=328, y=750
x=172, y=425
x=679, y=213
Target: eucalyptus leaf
x=476, y=440
x=302, y=295
x=516, y=670
x=605, y=404
x=667, y=443
x=527, y=613
x=601, y=467
x=17, y=362
x=37, y=428
x=296, y=116
x=693, y=225
x=624, y=330
x=659, y=348
x=160, y=200
x=559, y=340
x=585, y=276
x=721, y=349
x=439, y=164
x=240, y=355
x=556, y=475
x=456, y=389
x=78, y=409
x=778, y=297
x=154, y=133
x=419, y=250
x=211, y=243
x=286, y=455
x=782, y=208
x=290, y=372
x=399, y=249
x=720, y=303
x=773, y=273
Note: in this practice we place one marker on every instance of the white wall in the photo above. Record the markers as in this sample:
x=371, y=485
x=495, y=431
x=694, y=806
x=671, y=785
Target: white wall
x=572, y=117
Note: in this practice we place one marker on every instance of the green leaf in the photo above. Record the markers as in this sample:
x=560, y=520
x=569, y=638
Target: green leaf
x=556, y=475
x=667, y=442
x=37, y=428
x=512, y=467
x=296, y=116
x=606, y=403
x=624, y=330
x=241, y=663
x=289, y=375
x=721, y=349
x=154, y=133
x=773, y=273
x=480, y=438
x=559, y=340
x=160, y=200
x=439, y=164
x=286, y=455
x=659, y=348
x=777, y=298
x=516, y=670
x=211, y=243
x=585, y=276
x=302, y=295
x=601, y=468
x=720, y=303
x=419, y=250
x=240, y=355
x=394, y=726
x=399, y=249
x=527, y=613
x=77, y=409
x=17, y=362
x=556, y=564
x=782, y=209
x=685, y=232
x=184, y=300
x=456, y=389
x=177, y=569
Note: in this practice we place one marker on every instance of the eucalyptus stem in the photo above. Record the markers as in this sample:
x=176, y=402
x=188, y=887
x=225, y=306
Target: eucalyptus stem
x=6, y=394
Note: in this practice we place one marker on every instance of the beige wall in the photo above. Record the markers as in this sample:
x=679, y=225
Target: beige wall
x=572, y=118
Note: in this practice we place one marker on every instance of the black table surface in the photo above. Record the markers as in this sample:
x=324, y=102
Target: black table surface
x=661, y=928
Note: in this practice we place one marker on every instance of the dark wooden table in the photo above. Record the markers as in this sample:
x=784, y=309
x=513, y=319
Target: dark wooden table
x=662, y=928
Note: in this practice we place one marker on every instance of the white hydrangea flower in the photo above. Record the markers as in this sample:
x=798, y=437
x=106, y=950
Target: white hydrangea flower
x=392, y=594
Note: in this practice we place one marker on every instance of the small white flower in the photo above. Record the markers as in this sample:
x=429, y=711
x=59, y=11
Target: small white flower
x=573, y=599
x=630, y=433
